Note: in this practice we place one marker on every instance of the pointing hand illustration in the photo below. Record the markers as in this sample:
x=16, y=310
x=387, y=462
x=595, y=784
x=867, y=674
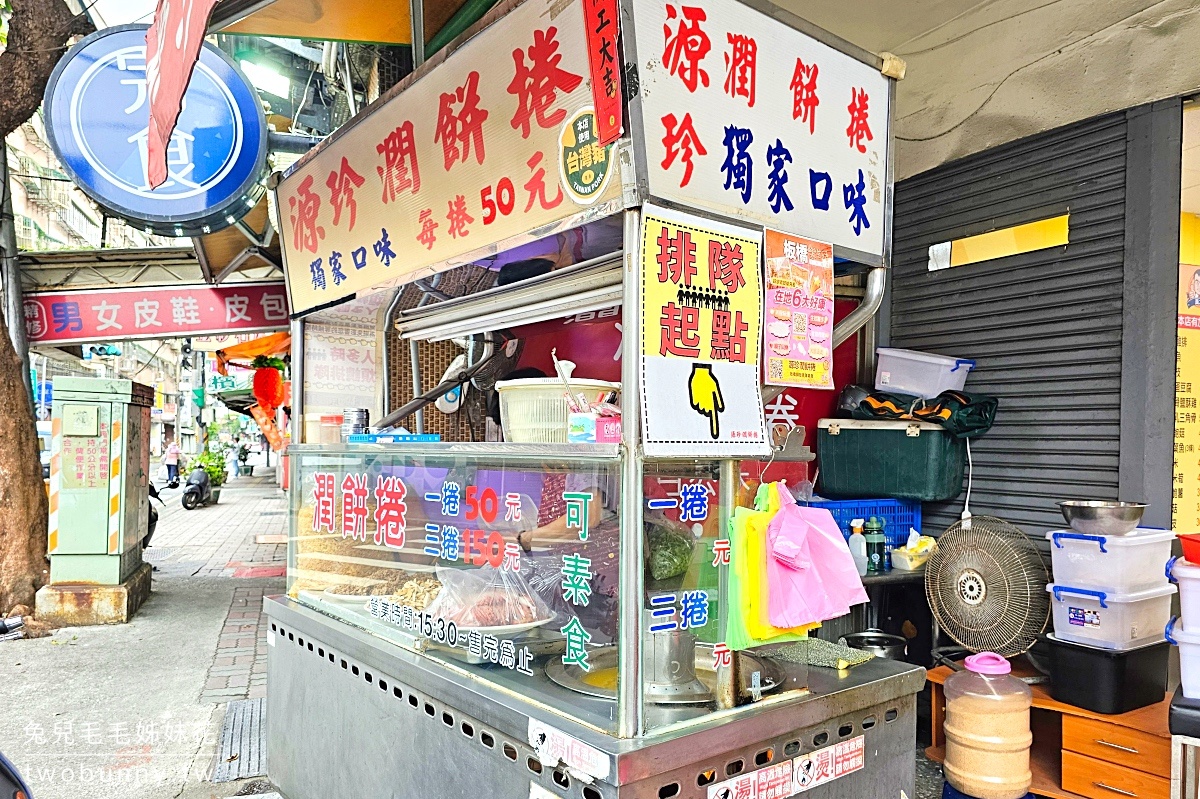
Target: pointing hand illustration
x=705, y=396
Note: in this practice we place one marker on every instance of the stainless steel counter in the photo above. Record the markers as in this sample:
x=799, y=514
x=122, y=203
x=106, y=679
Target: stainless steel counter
x=350, y=714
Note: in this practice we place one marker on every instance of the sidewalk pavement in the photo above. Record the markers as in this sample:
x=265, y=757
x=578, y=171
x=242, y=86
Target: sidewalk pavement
x=135, y=710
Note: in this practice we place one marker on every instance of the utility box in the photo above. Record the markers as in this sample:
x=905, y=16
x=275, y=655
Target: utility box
x=99, y=500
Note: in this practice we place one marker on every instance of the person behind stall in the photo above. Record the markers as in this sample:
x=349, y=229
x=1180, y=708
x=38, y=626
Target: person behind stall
x=545, y=547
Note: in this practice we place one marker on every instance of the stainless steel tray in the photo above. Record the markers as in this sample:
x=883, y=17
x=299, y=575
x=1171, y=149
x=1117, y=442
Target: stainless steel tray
x=769, y=674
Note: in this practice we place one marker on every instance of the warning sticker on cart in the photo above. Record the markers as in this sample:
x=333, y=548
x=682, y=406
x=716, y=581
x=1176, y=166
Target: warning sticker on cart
x=795, y=776
x=825, y=765
x=554, y=746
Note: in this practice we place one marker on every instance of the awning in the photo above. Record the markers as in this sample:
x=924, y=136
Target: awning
x=275, y=344
x=126, y=268
x=587, y=286
x=247, y=249
x=367, y=21
x=377, y=21
x=155, y=266
x=238, y=400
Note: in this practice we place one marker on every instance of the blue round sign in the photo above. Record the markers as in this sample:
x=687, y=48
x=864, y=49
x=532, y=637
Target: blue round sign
x=98, y=113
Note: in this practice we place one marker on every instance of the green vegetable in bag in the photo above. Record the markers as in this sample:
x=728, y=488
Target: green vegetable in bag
x=670, y=552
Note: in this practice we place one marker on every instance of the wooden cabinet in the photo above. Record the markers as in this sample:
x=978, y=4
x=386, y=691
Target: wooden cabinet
x=1099, y=779
x=1077, y=753
x=1114, y=743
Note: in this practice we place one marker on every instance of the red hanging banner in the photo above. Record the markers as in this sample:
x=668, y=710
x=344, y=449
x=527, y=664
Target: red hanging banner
x=600, y=19
x=268, y=428
x=173, y=45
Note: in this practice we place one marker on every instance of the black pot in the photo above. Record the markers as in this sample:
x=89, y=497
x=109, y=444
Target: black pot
x=878, y=643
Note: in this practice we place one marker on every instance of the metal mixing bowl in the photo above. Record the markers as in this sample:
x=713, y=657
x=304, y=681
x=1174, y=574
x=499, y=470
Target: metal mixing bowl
x=1100, y=517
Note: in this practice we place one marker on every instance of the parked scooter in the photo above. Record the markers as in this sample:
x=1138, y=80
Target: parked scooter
x=153, y=519
x=198, y=490
x=11, y=783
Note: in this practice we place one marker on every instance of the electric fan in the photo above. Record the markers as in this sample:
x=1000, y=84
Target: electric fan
x=986, y=584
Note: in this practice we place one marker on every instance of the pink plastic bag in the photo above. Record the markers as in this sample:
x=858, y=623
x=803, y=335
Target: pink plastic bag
x=811, y=575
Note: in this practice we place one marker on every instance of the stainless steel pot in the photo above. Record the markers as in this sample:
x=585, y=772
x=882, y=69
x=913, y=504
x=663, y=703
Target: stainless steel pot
x=878, y=643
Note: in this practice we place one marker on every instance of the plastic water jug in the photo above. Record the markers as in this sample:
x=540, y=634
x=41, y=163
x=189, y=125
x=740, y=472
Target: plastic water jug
x=987, y=730
x=858, y=550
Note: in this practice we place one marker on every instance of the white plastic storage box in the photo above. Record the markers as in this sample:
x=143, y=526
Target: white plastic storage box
x=1187, y=576
x=922, y=374
x=1110, y=620
x=1118, y=564
x=1189, y=658
x=534, y=410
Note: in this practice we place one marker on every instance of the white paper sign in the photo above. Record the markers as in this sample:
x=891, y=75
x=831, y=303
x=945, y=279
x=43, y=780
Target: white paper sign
x=746, y=116
x=701, y=336
x=555, y=746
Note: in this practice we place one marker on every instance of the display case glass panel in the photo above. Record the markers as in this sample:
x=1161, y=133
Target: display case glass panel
x=494, y=565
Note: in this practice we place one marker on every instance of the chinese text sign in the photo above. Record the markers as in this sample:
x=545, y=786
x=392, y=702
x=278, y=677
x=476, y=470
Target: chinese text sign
x=701, y=328
x=498, y=141
x=1185, y=491
x=162, y=312
x=798, y=329
x=801, y=146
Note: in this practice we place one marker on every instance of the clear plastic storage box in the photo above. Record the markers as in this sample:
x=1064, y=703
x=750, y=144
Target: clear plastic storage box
x=534, y=410
x=922, y=374
x=1118, y=564
x=1110, y=620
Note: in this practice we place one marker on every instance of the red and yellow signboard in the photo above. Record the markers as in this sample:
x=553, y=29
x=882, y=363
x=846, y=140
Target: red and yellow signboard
x=495, y=142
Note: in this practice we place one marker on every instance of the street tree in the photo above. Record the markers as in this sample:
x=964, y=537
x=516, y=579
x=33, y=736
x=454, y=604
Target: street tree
x=38, y=32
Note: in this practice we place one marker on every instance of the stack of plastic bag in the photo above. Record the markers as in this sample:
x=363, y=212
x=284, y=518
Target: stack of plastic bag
x=790, y=570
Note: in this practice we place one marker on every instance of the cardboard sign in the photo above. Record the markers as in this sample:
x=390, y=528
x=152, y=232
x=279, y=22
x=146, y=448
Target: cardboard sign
x=701, y=328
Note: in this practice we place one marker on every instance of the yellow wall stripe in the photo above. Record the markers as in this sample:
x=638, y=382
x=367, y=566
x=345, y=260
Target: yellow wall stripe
x=1031, y=236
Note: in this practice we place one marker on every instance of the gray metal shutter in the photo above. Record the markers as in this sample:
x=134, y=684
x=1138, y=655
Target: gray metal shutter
x=1045, y=327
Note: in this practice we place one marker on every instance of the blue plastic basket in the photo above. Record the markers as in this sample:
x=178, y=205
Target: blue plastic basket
x=898, y=515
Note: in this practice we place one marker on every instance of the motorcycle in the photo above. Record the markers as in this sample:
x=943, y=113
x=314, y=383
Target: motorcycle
x=153, y=519
x=198, y=490
x=11, y=783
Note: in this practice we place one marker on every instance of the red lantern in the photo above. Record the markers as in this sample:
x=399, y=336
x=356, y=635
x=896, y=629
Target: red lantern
x=268, y=383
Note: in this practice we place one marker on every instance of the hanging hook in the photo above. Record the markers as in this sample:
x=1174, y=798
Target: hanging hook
x=776, y=449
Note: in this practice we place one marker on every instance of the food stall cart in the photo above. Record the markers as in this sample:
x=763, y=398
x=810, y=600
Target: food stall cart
x=557, y=619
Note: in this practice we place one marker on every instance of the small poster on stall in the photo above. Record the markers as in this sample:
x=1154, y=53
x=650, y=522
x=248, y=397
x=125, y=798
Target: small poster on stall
x=701, y=328
x=1185, y=496
x=798, y=333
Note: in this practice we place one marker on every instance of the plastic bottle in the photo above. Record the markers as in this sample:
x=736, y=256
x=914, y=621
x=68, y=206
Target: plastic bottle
x=876, y=547
x=987, y=730
x=858, y=546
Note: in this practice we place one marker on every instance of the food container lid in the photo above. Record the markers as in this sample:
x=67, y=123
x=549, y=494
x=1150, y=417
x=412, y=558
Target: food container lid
x=1177, y=635
x=543, y=382
x=1139, y=537
x=988, y=663
x=927, y=357
x=1100, y=651
x=878, y=424
x=1060, y=593
x=1178, y=567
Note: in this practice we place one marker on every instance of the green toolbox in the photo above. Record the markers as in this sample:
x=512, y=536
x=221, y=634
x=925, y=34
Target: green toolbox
x=906, y=460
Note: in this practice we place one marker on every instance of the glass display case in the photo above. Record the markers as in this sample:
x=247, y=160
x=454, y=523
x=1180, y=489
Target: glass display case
x=501, y=562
